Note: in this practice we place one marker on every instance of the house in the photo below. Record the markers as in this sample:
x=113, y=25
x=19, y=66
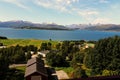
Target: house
x=35, y=70
x=34, y=55
x=43, y=53
x=2, y=46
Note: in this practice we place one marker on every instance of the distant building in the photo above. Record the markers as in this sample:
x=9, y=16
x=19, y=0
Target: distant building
x=34, y=55
x=35, y=70
x=43, y=53
x=2, y=46
x=32, y=52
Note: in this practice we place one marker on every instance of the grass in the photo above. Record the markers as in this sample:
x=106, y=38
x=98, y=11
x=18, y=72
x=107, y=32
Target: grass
x=68, y=70
x=24, y=42
x=22, y=68
x=16, y=73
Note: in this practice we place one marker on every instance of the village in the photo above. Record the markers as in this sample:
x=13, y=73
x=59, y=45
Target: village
x=64, y=60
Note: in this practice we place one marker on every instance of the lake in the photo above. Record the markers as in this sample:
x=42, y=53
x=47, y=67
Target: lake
x=55, y=34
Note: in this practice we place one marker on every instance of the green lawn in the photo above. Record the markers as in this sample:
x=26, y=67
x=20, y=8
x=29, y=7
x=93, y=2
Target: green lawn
x=68, y=70
x=24, y=42
x=22, y=68
x=16, y=73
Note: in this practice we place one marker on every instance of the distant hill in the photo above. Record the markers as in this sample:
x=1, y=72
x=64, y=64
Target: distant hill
x=15, y=24
x=78, y=26
x=104, y=27
x=29, y=25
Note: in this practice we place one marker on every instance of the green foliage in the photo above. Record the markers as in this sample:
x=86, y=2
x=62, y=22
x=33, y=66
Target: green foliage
x=4, y=66
x=105, y=55
x=77, y=59
x=26, y=42
x=2, y=37
x=21, y=68
x=43, y=46
x=69, y=48
x=15, y=74
x=28, y=56
x=79, y=73
x=49, y=46
x=55, y=60
x=68, y=70
x=46, y=46
x=58, y=46
x=16, y=54
x=1, y=44
x=89, y=57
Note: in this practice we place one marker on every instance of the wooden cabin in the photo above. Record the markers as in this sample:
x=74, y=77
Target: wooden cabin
x=35, y=70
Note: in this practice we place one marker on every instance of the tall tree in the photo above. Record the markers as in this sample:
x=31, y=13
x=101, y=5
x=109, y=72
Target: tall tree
x=4, y=66
x=105, y=55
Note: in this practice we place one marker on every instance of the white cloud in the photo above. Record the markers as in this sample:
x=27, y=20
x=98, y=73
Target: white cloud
x=61, y=5
x=102, y=21
x=82, y=8
x=104, y=1
x=65, y=6
x=88, y=13
x=18, y=3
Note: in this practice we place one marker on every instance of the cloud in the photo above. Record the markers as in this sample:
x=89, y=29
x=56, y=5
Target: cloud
x=18, y=3
x=89, y=10
x=88, y=13
x=61, y=5
x=104, y=1
x=65, y=6
x=102, y=21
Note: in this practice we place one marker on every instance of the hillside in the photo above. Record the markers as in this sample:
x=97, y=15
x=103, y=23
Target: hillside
x=29, y=25
x=25, y=42
x=104, y=27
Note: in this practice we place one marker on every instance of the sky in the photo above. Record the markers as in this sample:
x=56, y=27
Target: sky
x=62, y=12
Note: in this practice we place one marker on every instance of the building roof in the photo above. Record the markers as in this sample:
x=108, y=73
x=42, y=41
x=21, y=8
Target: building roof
x=35, y=65
x=35, y=60
x=45, y=51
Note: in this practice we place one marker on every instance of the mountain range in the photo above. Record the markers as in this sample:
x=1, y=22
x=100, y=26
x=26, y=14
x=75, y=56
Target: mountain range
x=29, y=25
x=19, y=24
x=104, y=27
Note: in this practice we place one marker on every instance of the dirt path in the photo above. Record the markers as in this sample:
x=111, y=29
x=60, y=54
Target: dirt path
x=16, y=65
x=61, y=75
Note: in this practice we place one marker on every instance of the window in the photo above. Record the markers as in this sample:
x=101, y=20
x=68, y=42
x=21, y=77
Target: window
x=36, y=78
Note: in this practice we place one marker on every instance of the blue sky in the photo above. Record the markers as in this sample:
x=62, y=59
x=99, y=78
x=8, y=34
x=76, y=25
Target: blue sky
x=61, y=11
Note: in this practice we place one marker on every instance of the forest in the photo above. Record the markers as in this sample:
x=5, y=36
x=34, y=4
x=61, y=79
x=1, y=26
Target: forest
x=102, y=59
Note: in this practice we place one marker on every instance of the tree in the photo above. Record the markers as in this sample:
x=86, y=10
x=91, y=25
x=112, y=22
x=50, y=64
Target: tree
x=28, y=56
x=105, y=55
x=79, y=73
x=43, y=46
x=1, y=44
x=58, y=46
x=55, y=60
x=4, y=66
x=49, y=46
x=77, y=59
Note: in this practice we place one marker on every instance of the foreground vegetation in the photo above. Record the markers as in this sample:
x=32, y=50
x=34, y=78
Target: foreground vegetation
x=25, y=42
x=101, y=60
x=76, y=58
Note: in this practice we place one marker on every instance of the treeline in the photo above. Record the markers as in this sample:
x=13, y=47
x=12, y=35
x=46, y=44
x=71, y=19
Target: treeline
x=102, y=60
x=2, y=37
x=13, y=55
x=69, y=54
x=17, y=55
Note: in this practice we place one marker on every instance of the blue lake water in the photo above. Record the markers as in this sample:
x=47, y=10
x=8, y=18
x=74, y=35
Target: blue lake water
x=55, y=34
